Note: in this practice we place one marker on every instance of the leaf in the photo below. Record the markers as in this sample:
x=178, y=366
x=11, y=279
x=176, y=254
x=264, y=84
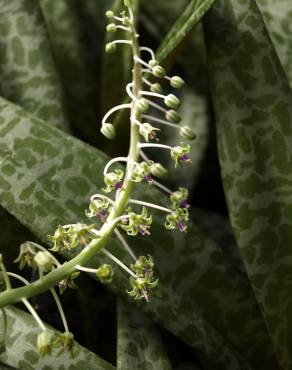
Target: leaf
x=138, y=344
x=27, y=71
x=21, y=351
x=252, y=101
x=277, y=16
x=202, y=297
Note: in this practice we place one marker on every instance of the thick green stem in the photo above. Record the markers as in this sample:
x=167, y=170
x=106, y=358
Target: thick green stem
x=50, y=280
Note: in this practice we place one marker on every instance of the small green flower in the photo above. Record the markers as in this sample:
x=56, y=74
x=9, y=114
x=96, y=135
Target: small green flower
x=179, y=199
x=44, y=343
x=64, y=342
x=61, y=239
x=98, y=207
x=26, y=255
x=68, y=282
x=44, y=260
x=187, y=133
x=105, y=273
x=177, y=219
x=136, y=224
x=110, y=48
x=176, y=82
x=143, y=267
x=172, y=101
x=148, y=131
x=113, y=181
x=180, y=154
x=172, y=116
x=108, y=130
x=142, y=171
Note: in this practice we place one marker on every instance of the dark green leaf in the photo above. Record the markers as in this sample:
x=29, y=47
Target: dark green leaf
x=252, y=100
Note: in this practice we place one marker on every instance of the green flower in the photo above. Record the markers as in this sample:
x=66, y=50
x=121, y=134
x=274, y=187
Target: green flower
x=68, y=282
x=136, y=224
x=177, y=219
x=113, y=181
x=179, y=198
x=148, y=131
x=44, y=343
x=143, y=267
x=180, y=154
x=64, y=342
x=98, y=207
x=44, y=260
x=105, y=273
x=142, y=171
x=26, y=255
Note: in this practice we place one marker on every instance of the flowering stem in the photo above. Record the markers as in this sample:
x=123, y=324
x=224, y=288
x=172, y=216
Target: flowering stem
x=157, y=106
x=114, y=109
x=86, y=269
x=60, y=308
x=162, y=187
x=150, y=51
x=117, y=159
x=34, y=314
x=125, y=244
x=54, y=277
x=162, y=146
x=160, y=121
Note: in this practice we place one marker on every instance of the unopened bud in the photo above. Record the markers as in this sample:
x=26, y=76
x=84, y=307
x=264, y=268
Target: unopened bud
x=111, y=27
x=187, y=133
x=105, y=273
x=44, y=260
x=109, y=14
x=158, y=71
x=176, y=82
x=152, y=63
x=110, y=47
x=108, y=130
x=172, y=116
x=158, y=170
x=44, y=342
x=156, y=88
x=142, y=105
x=128, y=3
x=172, y=101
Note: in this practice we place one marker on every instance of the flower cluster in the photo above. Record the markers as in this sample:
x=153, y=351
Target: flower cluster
x=143, y=280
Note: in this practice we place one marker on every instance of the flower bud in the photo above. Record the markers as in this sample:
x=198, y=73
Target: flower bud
x=172, y=101
x=44, y=260
x=187, y=133
x=176, y=82
x=111, y=27
x=109, y=14
x=172, y=116
x=152, y=63
x=110, y=47
x=156, y=88
x=159, y=171
x=142, y=105
x=108, y=131
x=105, y=273
x=158, y=71
x=44, y=342
x=128, y=3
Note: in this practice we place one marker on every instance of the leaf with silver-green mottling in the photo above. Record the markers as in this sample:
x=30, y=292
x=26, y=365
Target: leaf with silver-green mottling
x=138, y=342
x=277, y=15
x=21, y=350
x=202, y=296
x=252, y=100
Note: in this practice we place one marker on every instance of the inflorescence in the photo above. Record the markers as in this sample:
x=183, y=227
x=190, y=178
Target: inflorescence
x=114, y=209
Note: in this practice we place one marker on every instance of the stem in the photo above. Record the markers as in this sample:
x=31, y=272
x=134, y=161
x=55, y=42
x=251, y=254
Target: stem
x=141, y=61
x=60, y=308
x=151, y=205
x=34, y=314
x=162, y=187
x=54, y=277
x=162, y=146
x=86, y=269
x=150, y=51
x=157, y=106
x=114, y=109
x=5, y=274
x=117, y=159
x=161, y=121
x=125, y=244
x=118, y=262
x=101, y=196
x=122, y=42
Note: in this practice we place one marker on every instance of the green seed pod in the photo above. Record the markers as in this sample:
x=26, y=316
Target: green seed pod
x=111, y=27
x=176, y=82
x=108, y=131
x=156, y=88
x=172, y=116
x=110, y=48
x=158, y=170
x=105, y=273
x=172, y=101
x=44, y=260
x=152, y=63
x=44, y=342
x=187, y=133
x=158, y=71
x=142, y=105
x=109, y=14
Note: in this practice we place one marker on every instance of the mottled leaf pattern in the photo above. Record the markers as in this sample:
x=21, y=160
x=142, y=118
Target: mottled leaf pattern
x=252, y=101
x=27, y=71
x=277, y=15
x=138, y=343
x=48, y=182
x=21, y=351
